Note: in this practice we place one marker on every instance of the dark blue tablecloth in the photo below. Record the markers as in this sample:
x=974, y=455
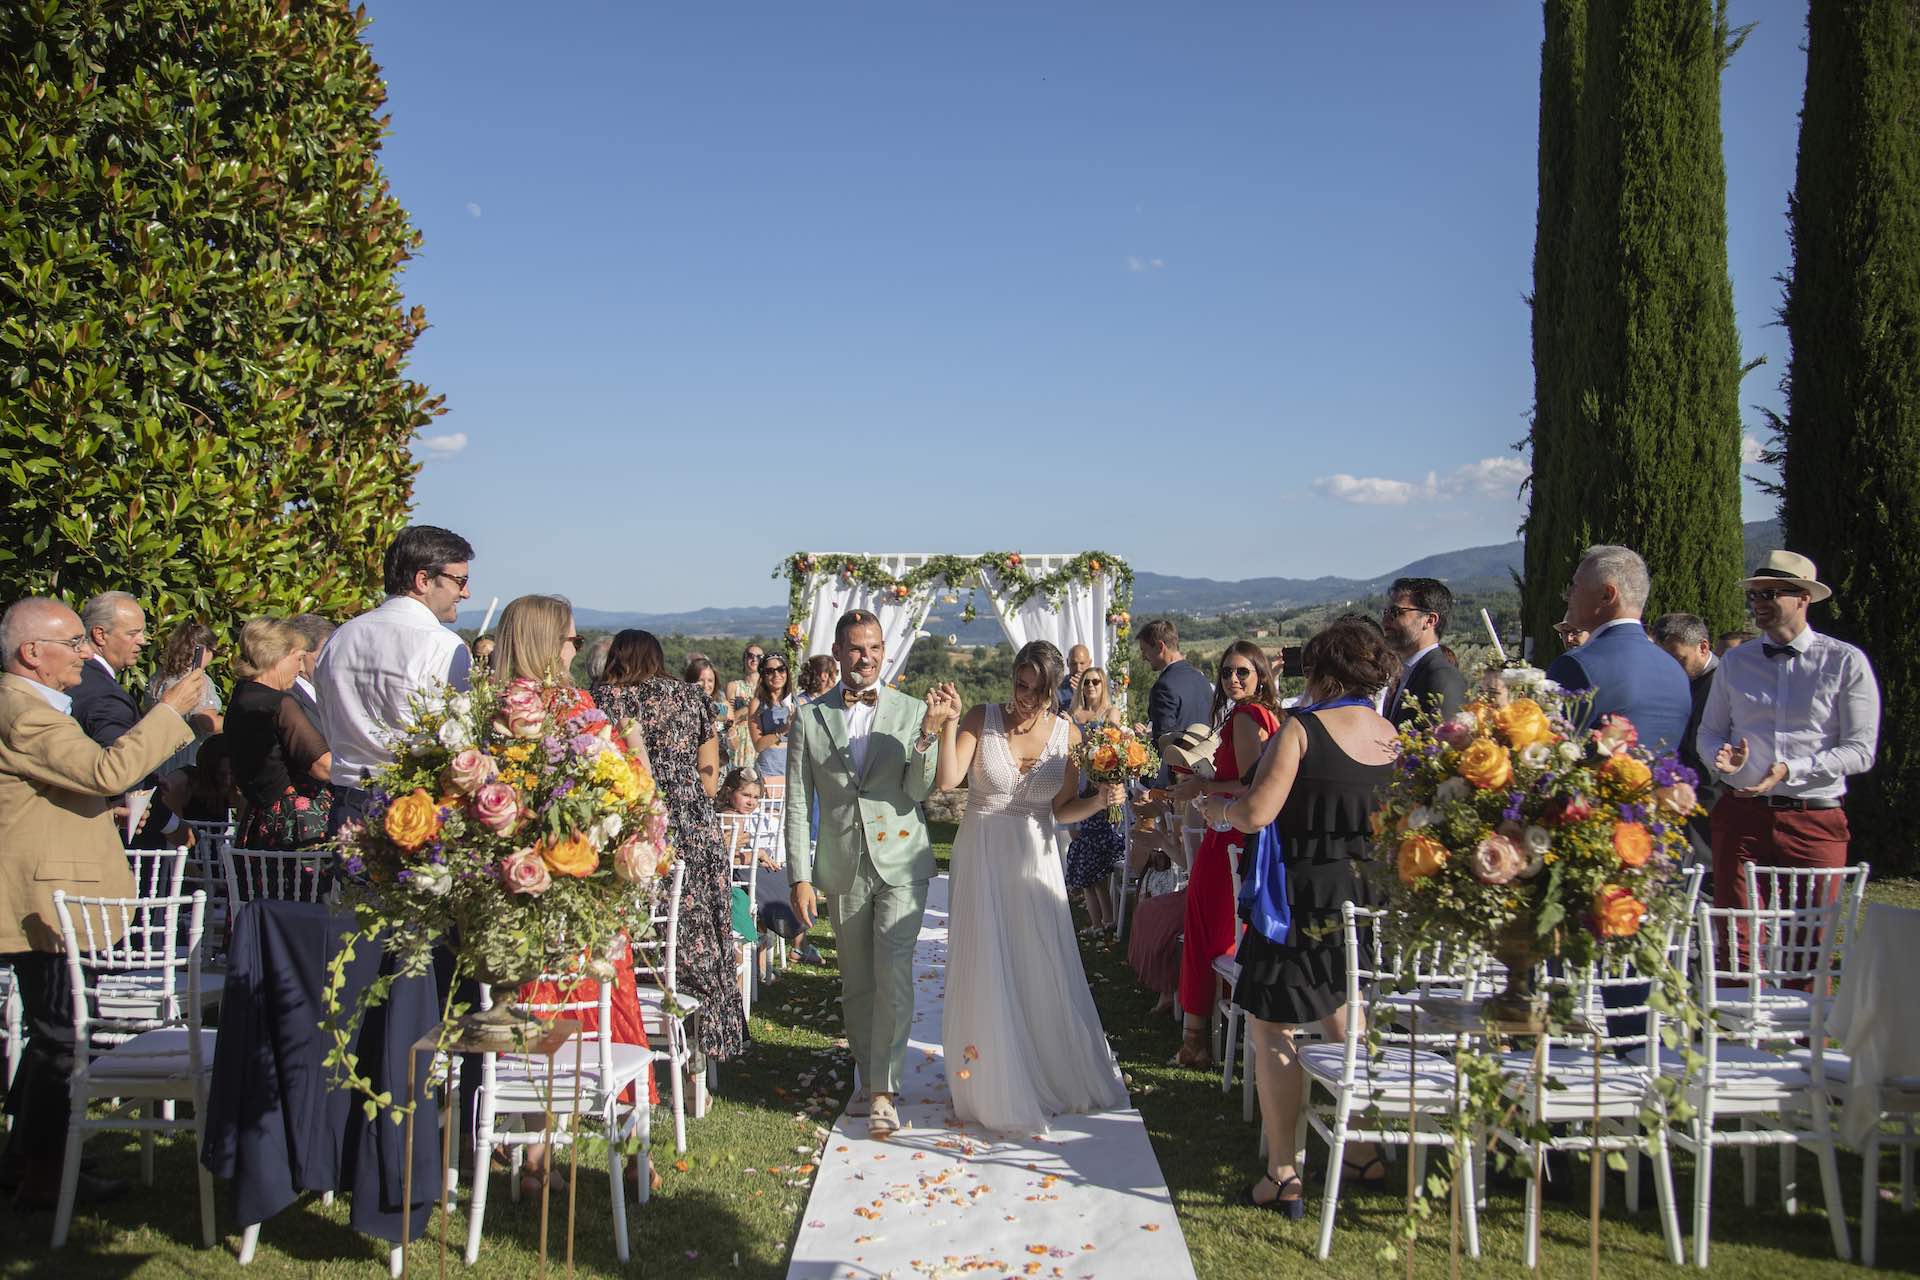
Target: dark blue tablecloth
x=275, y=1124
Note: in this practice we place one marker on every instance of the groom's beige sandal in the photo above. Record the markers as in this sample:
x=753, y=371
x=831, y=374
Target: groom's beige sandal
x=861, y=1105
x=884, y=1121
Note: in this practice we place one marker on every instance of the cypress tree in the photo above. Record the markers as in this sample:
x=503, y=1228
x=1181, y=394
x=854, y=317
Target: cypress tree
x=202, y=337
x=1850, y=443
x=1552, y=543
x=1657, y=467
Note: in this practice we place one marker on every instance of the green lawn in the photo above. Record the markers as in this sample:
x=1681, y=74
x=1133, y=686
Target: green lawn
x=735, y=1207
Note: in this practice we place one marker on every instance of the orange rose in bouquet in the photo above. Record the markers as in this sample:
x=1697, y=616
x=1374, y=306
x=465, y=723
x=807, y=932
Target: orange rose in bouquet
x=1486, y=764
x=1632, y=843
x=1420, y=857
x=412, y=820
x=1522, y=723
x=573, y=856
x=1617, y=913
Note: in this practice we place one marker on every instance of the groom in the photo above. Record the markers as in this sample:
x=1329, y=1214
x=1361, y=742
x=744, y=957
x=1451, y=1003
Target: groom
x=866, y=753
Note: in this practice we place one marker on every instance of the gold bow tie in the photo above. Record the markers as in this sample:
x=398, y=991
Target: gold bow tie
x=856, y=696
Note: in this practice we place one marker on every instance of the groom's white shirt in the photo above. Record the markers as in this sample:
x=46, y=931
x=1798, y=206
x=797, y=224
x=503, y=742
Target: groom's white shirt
x=859, y=730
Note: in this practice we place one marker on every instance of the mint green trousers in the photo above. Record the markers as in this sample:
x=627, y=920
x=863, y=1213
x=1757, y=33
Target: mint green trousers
x=875, y=925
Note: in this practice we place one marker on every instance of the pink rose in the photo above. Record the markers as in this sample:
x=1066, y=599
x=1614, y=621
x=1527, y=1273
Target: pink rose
x=636, y=861
x=656, y=828
x=496, y=806
x=1498, y=860
x=1679, y=798
x=525, y=872
x=468, y=771
x=1457, y=731
x=522, y=712
x=1614, y=734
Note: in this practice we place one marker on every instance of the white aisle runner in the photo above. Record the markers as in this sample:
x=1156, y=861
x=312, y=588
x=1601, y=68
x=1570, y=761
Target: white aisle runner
x=935, y=1200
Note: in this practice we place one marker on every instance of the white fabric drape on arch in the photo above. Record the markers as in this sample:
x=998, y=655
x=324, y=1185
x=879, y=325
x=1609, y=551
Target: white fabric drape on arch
x=1079, y=616
x=829, y=595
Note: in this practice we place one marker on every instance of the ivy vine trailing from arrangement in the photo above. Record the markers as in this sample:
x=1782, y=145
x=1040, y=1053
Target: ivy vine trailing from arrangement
x=1009, y=569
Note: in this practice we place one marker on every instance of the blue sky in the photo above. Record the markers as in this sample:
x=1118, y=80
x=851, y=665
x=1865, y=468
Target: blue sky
x=1229, y=290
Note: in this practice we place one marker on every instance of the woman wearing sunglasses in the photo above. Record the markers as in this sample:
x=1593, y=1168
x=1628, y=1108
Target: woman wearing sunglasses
x=1247, y=708
x=1097, y=846
x=770, y=715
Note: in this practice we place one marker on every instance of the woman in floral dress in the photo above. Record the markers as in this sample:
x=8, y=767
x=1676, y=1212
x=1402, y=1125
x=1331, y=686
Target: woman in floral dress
x=676, y=721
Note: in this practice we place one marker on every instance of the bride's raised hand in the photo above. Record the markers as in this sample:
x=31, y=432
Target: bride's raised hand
x=943, y=706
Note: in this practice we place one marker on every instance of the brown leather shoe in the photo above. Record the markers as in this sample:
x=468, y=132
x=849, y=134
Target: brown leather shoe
x=38, y=1193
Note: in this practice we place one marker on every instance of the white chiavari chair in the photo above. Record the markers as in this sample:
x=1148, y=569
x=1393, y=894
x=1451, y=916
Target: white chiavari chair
x=298, y=875
x=664, y=1008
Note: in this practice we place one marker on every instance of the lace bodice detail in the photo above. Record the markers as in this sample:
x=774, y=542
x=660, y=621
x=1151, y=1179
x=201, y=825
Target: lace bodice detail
x=994, y=781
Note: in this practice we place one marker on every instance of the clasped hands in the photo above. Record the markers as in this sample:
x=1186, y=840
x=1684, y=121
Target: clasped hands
x=1732, y=757
x=943, y=708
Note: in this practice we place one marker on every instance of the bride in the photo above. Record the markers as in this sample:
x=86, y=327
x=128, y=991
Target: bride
x=1023, y=1039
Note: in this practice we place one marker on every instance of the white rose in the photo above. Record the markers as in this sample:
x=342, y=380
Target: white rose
x=1570, y=751
x=435, y=880
x=1451, y=790
x=455, y=736
x=606, y=830
x=1420, y=816
x=602, y=970
x=1536, y=841
x=1524, y=677
x=460, y=705
x=1535, y=755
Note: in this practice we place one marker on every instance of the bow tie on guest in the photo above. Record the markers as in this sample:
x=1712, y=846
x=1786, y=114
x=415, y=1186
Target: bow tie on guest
x=855, y=697
x=1775, y=650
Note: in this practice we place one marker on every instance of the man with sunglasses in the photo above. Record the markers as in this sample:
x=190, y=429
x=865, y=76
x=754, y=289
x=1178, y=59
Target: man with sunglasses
x=1787, y=720
x=375, y=663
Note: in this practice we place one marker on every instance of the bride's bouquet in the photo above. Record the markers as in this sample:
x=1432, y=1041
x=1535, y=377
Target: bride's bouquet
x=1116, y=753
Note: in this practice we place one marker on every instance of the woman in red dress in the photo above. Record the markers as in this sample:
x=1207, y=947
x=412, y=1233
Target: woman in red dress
x=1245, y=696
x=535, y=646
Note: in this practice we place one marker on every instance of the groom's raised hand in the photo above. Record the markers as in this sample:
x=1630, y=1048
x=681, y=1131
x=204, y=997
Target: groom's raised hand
x=943, y=707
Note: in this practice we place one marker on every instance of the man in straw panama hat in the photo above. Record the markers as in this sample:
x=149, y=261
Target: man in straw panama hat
x=1787, y=720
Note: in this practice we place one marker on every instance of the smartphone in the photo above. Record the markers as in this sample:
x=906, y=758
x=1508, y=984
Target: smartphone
x=1290, y=665
x=199, y=655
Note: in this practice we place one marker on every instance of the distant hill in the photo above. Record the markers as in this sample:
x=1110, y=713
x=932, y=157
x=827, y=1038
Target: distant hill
x=1470, y=569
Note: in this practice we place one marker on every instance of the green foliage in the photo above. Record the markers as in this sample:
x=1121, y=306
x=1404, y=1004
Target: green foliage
x=1849, y=450
x=1639, y=329
x=202, y=336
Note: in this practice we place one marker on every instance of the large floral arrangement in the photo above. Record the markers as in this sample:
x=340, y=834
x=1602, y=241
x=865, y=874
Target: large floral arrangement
x=1507, y=829
x=516, y=825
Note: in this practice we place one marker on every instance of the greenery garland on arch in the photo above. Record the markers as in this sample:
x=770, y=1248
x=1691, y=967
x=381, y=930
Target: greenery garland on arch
x=1009, y=568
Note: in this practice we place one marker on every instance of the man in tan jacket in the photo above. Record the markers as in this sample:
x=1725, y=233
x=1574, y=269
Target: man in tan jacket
x=57, y=831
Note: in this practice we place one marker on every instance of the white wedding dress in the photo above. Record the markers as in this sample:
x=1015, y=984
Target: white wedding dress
x=1023, y=1039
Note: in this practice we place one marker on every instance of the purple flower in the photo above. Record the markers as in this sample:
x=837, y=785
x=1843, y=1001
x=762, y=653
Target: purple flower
x=1512, y=812
x=585, y=744
x=1633, y=813
x=353, y=864
x=403, y=876
x=555, y=748
x=582, y=721
x=1668, y=770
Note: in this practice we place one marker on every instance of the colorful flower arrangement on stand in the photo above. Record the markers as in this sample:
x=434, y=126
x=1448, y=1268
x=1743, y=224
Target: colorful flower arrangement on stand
x=1116, y=753
x=515, y=827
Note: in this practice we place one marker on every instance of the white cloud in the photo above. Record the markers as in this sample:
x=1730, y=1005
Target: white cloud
x=473, y=210
x=442, y=446
x=1751, y=448
x=1137, y=263
x=1486, y=478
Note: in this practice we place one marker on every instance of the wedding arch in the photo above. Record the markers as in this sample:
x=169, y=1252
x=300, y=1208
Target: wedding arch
x=1067, y=599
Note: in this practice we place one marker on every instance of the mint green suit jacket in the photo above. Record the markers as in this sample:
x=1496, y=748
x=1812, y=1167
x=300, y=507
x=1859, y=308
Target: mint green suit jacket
x=876, y=813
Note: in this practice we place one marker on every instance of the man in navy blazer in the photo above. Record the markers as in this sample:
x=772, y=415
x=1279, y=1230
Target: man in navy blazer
x=116, y=627
x=1627, y=673
x=1181, y=695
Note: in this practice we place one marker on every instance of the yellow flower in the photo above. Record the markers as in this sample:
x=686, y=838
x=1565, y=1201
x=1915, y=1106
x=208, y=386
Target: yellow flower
x=611, y=770
x=574, y=856
x=1486, y=764
x=412, y=820
x=1631, y=776
x=1420, y=857
x=1522, y=723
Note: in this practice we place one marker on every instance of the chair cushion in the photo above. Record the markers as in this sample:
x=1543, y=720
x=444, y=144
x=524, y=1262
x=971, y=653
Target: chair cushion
x=1739, y=1069
x=161, y=1054
x=1385, y=1077
x=521, y=1075
x=1621, y=1081
x=1838, y=1068
x=1775, y=1004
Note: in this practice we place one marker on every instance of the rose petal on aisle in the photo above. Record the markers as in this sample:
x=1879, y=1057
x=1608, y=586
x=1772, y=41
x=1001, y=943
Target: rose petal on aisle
x=939, y=1199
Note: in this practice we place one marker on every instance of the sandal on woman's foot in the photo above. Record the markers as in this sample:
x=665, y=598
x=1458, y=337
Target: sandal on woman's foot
x=1363, y=1175
x=1295, y=1207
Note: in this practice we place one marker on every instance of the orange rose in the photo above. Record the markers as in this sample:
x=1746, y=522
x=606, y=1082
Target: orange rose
x=412, y=820
x=1106, y=758
x=1629, y=775
x=1486, y=764
x=1632, y=843
x=1617, y=913
x=574, y=856
x=1522, y=723
x=1136, y=755
x=1420, y=857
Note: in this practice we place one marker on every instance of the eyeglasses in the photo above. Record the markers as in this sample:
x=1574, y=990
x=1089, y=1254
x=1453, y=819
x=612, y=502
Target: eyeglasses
x=457, y=579
x=774, y=668
x=1395, y=610
x=1238, y=673
x=1774, y=593
x=754, y=657
x=574, y=641
x=79, y=643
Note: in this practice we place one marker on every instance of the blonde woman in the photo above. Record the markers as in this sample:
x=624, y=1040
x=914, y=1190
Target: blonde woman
x=1097, y=846
x=278, y=757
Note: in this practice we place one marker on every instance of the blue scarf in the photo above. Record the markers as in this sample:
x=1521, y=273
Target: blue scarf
x=1264, y=902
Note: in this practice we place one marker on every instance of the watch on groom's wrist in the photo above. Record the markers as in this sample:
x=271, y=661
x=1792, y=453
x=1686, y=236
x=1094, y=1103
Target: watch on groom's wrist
x=924, y=743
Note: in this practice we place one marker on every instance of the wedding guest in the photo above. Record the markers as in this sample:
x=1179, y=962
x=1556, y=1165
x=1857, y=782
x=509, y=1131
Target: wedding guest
x=59, y=831
x=1153, y=937
x=1786, y=722
x=210, y=793
x=1733, y=640
x=739, y=697
x=1572, y=635
x=316, y=631
x=1429, y=685
x=1688, y=642
x=1098, y=846
x=177, y=658
x=116, y=628
x=677, y=724
x=740, y=794
x=699, y=672
x=1180, y=694
x=1246, y=706
x=482, y=653
x=1625, y=673
x=279, y=760
x=817, y=678
x=595, y=658
x=1079, y=659
x=771, y=715
x=365, y=679
x=1317, y=785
